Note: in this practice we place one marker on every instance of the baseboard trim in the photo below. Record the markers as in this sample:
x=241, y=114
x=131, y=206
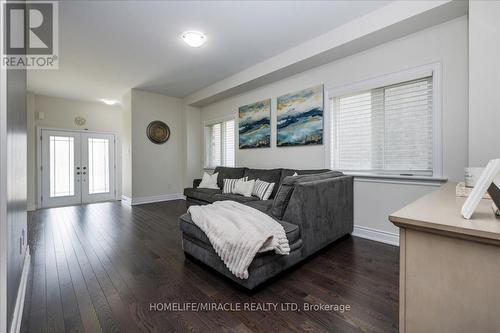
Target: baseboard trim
x=151, y=199
x=376, y=235
x=17, y=316
x=126, y=200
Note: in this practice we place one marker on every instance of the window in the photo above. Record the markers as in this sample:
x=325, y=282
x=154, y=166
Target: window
x=387, y=130
x=61, y=156
x=219, y=149
x=98, y=163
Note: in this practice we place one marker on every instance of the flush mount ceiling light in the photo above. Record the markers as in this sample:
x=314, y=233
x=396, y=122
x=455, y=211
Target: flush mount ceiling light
x=108, y=101
x=194, y=38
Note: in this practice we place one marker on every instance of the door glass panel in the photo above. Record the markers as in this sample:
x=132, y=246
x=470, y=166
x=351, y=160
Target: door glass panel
x=62, y=178
x=98, y=165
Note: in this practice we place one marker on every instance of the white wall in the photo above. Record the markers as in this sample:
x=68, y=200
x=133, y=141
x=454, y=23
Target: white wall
x=445, y=44
x=60, y=113
x=193, y=144
x=484, y=81
x=127, y=145
x=156, y=169
x=14, y=257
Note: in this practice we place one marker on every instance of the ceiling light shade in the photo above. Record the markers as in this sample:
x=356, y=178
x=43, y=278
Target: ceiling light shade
x=194, y=38
x=108, y=101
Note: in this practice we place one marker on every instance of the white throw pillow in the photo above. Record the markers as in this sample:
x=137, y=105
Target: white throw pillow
x=262, y=189
x=209, y=181
x=244, y=188
x=295, y=174
x=229, y=185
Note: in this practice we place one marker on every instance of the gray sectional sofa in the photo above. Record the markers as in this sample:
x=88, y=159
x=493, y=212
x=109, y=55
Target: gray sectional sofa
x=315, y=208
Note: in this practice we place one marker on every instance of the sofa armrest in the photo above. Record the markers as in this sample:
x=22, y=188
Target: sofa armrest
x=196, y=183
x=323, y=209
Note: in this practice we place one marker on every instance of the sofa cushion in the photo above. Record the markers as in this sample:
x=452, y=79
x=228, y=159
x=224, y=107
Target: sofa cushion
x=233, y=197
x=285, y=191
x=269, y=175
x=228, y=173
x=292, y=231
x=203, y=194
x=264, y=206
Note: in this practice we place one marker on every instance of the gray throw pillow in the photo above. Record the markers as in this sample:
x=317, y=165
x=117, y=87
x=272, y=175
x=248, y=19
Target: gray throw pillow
x=281, y=200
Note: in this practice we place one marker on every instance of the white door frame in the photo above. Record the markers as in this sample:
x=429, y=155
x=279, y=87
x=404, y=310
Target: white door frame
x=39, y=157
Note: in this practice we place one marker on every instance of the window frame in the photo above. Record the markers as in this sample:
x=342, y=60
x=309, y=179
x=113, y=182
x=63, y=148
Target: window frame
x=434, y=70
x=207, y=139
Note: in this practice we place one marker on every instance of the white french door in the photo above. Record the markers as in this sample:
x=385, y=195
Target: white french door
x=60, y=168
x=98, y=161
x=76, y=167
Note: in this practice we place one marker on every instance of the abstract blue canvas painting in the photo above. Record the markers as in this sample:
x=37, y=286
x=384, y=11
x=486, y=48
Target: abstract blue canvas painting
x=255, y=125
x=300, y=118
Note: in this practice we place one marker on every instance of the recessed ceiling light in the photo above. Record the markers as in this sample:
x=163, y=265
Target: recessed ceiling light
x=108, y=101
x=194, y=38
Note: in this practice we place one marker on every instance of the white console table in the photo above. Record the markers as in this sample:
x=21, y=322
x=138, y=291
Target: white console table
x=449, y=266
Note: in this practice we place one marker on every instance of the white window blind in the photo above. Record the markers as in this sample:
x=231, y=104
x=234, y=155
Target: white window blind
x=215, y=145
x=387, y=130
x=220, y=144
x=228, y=143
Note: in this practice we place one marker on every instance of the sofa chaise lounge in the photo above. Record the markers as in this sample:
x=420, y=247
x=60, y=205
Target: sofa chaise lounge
x=315, y=208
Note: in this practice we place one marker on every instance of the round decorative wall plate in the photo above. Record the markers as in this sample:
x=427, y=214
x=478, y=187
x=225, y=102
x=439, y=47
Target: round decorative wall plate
x=158, y=132
x=80, y=121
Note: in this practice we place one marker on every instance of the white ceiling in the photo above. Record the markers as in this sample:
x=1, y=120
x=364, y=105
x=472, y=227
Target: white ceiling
x=108, y=47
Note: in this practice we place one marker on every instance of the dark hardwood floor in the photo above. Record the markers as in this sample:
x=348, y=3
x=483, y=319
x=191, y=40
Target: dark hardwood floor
x=100, y=267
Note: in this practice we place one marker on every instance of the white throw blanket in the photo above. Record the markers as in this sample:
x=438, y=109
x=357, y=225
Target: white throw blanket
x=238, y=232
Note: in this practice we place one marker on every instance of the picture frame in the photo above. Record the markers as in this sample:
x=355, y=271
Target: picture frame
x=299, y=117
x=254, y=125
x=483, y=184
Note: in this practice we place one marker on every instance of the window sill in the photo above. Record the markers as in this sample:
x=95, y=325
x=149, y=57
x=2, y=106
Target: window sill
x=397, y=179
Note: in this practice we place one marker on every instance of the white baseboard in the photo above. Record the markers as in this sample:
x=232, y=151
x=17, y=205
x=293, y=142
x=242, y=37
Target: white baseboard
x=376, y=235
x=126, y=200
x=17, y=316
x=156, y=198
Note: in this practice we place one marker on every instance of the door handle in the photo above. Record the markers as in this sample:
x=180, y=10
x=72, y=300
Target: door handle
x=84, y=168
x=84, y=173
x=77, y=168
x=78, y=173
